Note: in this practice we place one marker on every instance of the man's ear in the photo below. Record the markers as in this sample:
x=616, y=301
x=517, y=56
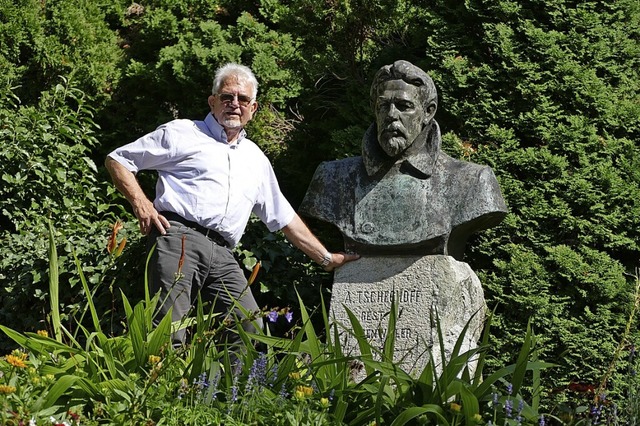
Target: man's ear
x=254, y=107
x=210, y=100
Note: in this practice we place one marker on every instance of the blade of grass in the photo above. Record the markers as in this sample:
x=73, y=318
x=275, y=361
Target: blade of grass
x=147, y=297
x=363, y=344
x=484, y=343
x=85, y=286
x=312, y=339
x=54, y=285
x=521, y=364
x=390, y=338
x=379, y=401
x=470, y=405
x=485, y=386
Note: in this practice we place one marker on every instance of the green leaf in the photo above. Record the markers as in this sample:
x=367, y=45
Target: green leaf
x=62, y=385
x=390, y=339
x=54, y=285
x=521, y=363
x=160, y=336
x=363, y=343
x=412, y=412
x=138, y=334
x=88, y=293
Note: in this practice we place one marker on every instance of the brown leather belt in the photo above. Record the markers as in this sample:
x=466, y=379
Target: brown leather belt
x=209, y=233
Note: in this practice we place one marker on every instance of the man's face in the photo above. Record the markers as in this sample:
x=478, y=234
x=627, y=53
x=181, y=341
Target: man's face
x=399, y=116
x=233, y=105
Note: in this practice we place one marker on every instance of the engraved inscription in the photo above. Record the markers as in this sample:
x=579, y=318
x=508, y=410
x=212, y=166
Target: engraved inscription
x=382, y=296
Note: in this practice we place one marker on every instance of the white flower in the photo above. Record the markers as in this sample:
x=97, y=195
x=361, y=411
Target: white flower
x=52, y=420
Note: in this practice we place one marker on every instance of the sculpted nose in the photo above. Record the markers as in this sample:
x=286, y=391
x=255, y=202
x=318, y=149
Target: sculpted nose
x=393, y=112
x=392, y=116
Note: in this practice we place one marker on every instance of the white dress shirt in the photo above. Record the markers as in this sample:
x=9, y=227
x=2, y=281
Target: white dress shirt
x=206, y=180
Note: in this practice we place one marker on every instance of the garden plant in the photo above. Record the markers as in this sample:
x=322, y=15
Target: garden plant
x=138, y=377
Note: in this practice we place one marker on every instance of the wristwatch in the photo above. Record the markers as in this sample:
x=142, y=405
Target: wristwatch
x=326, y=259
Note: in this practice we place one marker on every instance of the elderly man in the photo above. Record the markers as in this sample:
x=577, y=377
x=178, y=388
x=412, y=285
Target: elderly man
x=211, y=177
x=404, y=195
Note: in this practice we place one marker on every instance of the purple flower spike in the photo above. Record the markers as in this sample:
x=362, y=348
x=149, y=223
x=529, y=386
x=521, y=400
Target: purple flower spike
x=508, y=406
x=272, y=316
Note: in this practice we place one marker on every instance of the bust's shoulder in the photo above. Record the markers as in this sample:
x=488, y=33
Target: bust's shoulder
x=342, y=163
x=466, y=173
x=453, y=165
x=338, y=167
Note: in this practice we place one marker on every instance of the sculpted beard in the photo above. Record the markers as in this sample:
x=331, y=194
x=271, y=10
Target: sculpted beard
x=393, y=140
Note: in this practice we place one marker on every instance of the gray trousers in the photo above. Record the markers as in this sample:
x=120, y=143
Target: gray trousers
x=180, y=267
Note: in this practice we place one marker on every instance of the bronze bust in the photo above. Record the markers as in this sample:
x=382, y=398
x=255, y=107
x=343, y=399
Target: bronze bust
x=404, y=195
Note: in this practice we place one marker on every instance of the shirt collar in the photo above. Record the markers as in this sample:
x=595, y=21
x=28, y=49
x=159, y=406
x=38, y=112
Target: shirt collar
x=217, y=131
x=420, y=157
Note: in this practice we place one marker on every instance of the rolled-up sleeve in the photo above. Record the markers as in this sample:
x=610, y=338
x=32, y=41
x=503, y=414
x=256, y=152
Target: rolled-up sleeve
x=150, y=152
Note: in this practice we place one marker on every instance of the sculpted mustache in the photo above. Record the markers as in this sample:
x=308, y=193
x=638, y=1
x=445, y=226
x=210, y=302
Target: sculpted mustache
x=395, y=128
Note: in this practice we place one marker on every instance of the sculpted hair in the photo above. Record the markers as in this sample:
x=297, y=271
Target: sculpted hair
x=240, y=71
x=409, y=73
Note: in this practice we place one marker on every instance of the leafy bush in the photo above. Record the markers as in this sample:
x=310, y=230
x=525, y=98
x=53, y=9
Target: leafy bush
x=39, y=41
x=48, y=174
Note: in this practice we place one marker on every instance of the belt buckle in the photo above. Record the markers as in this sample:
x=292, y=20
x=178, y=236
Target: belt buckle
x=215, y=237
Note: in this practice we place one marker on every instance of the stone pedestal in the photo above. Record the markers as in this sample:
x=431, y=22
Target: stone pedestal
x=423, y=287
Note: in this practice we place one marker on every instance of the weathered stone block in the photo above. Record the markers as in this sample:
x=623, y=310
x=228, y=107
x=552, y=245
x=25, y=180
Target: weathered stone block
x=421, y=285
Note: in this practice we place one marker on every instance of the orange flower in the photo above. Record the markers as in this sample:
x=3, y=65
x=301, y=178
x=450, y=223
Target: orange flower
x=16, y=360
x=7, y=389
x=118, y=251
x=305, y=390
x=181, y=261
x=254, y=273
x=294, y=375
x=111, y=244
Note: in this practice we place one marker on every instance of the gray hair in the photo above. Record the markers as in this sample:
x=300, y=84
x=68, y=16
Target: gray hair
x=406, y=71
x=240, y=71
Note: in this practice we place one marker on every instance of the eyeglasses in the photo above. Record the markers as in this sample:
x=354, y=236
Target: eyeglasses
x=243, y=100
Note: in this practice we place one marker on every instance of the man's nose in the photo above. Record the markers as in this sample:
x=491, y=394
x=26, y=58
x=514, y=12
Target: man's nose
x=234, y=102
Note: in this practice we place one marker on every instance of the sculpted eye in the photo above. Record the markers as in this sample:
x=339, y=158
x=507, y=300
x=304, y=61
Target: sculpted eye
x=404, y=105
x=401, y=105
x=383, y=105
